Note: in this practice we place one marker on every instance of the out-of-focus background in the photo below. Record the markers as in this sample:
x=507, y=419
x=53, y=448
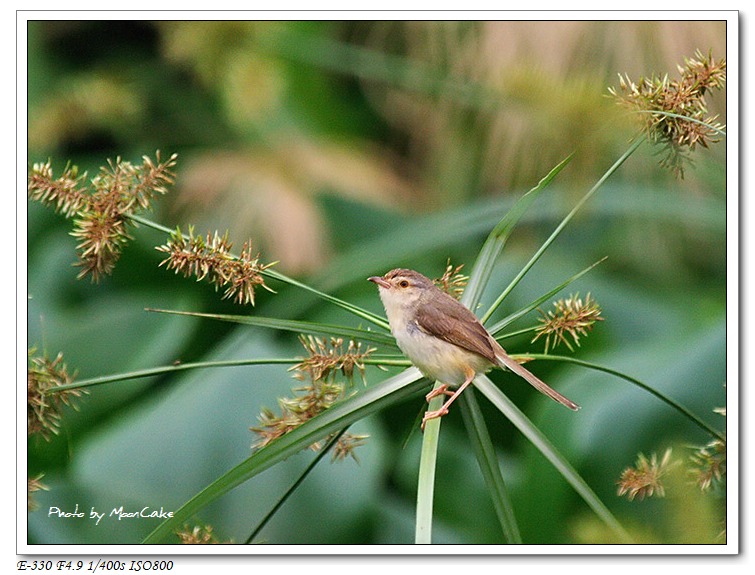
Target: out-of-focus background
x=343, y=149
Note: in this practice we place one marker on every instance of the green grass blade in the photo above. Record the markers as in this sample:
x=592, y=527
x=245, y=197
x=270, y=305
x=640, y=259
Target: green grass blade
x=491, y=471
x=290, y=491
x=495, y=242
x=559, y=228
x=498, y=326
x=543, y=444
x=273, y=274
x=423, y=525
x=136, y=374
x=380, y=360
x=348, y=306
x=297, y=326
x=393, y=390
x=674, y=404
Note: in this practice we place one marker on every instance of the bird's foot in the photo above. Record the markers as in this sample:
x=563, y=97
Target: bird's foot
x=443, y=390
x=440, y=390
x=433, y=415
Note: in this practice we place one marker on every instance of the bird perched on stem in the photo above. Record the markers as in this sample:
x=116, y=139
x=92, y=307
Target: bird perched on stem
x=444, y=339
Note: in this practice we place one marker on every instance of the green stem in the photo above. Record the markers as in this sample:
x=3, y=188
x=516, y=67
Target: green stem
x=168, y=369
x=426, y=479
x=517, y=333
x=387, y=361
x=273, y=274
x=716, y=129
x=320, y=454
x=484, y=449
x=355, y=310
x=494, y=329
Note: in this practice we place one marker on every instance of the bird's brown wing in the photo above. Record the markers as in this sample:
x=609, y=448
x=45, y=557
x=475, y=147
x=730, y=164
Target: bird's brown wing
x=447, y=319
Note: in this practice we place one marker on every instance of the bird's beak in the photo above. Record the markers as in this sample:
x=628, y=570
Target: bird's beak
x=379, y=281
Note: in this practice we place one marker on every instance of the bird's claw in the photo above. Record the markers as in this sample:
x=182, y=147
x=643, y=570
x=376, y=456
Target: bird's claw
x=433, y=415
x=440, y=390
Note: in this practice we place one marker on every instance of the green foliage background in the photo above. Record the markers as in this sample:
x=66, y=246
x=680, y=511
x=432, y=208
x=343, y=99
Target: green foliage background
x=344, y=149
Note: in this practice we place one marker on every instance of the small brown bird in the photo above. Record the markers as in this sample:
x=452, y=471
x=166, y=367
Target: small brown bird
x=443, y=338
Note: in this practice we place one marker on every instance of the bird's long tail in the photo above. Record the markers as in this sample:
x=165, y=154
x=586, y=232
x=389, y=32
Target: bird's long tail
x=534, y=381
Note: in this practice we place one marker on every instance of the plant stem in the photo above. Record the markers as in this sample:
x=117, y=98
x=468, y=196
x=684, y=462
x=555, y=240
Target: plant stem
x=426, y=479
x=104, y=379
x=167, y=369
x=320, y=454
x=273, y=274
x=480, y=441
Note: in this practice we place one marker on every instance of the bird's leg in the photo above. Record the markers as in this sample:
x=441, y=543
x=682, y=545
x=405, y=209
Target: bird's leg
x=442, y=389
x=444, y=408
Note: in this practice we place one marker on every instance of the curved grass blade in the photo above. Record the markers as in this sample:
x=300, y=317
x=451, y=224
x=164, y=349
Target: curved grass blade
x=273, y=274
x=497, y=327
x=559, y=228
x=103, y=379
x=348, y=306
x=294, y=325
x=379, y=360
x=393, y=390
x=483, y=266
x=542, y=443
x=674, y=404
x=290, y=491
x=491, y=472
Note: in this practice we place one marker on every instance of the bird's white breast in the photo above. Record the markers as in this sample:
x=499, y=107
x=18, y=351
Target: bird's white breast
x=436, y=358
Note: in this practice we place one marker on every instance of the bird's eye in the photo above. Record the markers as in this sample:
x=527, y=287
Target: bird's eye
x=403, y=284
